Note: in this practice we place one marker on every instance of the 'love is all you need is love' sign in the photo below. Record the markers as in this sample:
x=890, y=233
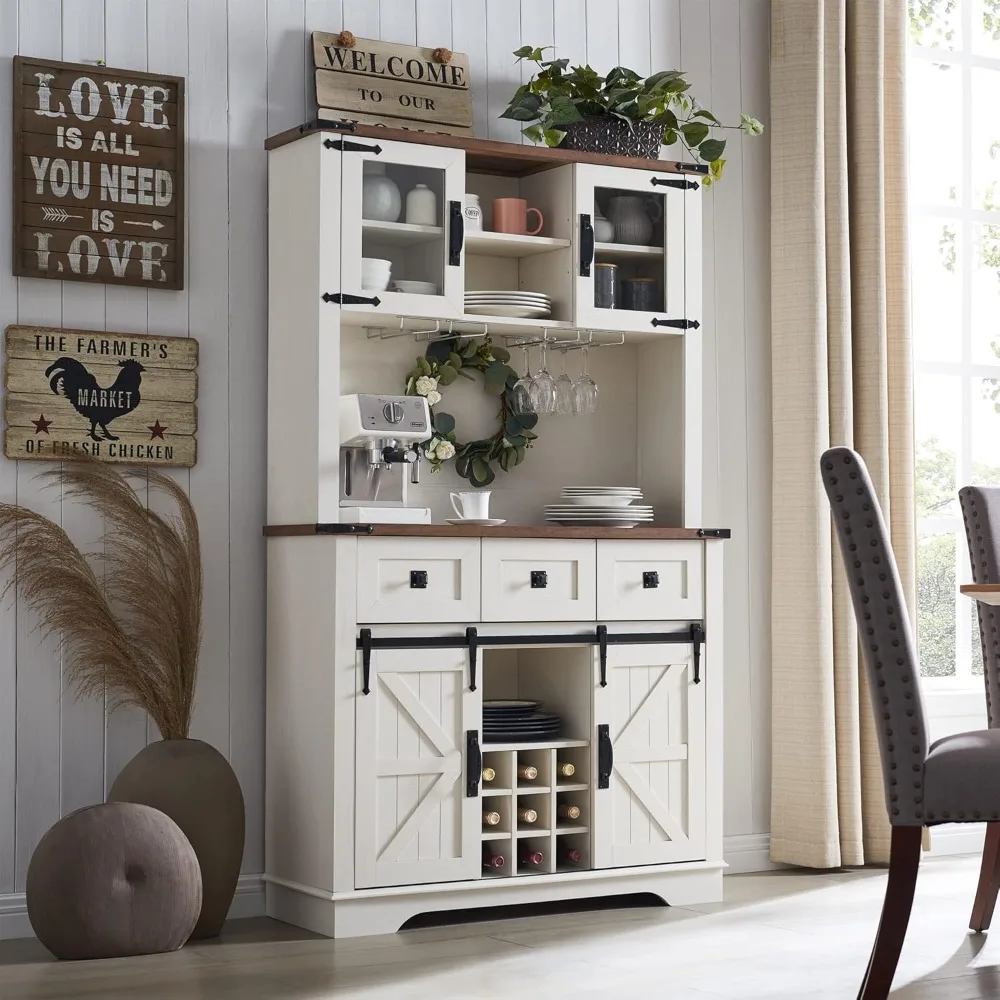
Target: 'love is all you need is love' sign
x=402, y=86
x=98, y=174
x=120, y=397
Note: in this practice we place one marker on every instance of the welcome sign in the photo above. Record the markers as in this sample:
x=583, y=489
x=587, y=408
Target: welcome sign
x=98, y=174
x=381, y=83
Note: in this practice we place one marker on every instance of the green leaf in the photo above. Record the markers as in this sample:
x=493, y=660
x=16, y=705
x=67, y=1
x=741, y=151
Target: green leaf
x=446, y=375
x=520, y=115
x=524, y=52
x=563, y=111
x=694, y=132
x=715, y=169
x=520, y=456
x=512, y=426
x=455, y=360
x=462, y=465
x=467, y=375
x=707, y=115
x=666, y=118
x=424, y=366
x=669, y=137
x=504, y=460
x=411, y=384
x=529, y=436
x=439, y=350
x=556, y=65
x=534, y=133
x=501, y=353
x=481, y=472
x=553, y=136
x=711, y=149
x=444, y=423
x=468, y=350
x=526, y=420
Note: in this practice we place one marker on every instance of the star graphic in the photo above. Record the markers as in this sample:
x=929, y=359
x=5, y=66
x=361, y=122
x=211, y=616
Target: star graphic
x=156, y=430
x=41, y=424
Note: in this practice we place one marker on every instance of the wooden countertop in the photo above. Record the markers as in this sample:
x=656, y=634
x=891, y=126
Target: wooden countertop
x=988, y=593
x=487, y=156
x=502, y=531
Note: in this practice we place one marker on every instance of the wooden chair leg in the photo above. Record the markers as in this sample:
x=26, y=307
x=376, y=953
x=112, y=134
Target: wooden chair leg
x=904, y=860
x=989, y=881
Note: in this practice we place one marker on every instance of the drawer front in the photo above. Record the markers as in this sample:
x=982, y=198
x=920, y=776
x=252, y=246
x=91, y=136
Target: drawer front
x=649, y=580
x=538, y=580
x=418, y=580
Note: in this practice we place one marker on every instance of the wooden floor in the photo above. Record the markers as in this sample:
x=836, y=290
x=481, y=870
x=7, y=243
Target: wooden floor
x=777, y=935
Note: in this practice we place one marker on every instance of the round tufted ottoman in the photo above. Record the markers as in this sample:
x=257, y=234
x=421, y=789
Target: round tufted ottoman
x=113, y=880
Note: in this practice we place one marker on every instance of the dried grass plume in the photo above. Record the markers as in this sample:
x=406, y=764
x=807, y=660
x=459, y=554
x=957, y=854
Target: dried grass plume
x=128, y=619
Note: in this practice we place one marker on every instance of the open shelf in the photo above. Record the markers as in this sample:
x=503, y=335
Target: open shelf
x=488, y=790
x=562, y=828
x=572, y=786
x=531, y=831
x=543, y=745
x=496, y=835
x=510, y=244
x=625, y=251
x=400, y=234
x=529, y=789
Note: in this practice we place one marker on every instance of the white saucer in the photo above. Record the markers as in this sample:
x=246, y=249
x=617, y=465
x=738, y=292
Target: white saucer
x=478, y=522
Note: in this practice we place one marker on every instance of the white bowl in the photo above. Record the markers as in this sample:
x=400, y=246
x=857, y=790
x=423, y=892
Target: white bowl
x=597, y=499
x=415, y=287
x=375, y=273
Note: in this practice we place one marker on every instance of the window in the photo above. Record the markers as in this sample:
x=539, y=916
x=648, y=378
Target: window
x=953, y=81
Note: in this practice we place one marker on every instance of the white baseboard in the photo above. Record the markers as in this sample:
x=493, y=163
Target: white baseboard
x=957, y=838
x=749, y=853
x=14, y=923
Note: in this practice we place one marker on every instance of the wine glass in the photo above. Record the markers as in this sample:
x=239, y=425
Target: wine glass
x=585, y=390
x=564, y=389
x=543, y=388
x=522, y=388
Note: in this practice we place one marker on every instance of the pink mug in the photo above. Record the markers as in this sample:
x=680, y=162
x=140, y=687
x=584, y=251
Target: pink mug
x=510, y=215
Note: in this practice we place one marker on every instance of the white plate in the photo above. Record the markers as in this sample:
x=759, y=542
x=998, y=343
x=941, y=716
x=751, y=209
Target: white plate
x=514, y=312
x=502, y=293
x=478, y=522
x=590, y=511
x=600, y=489
x=556, y=516
x=597, y=500
x=598, y=524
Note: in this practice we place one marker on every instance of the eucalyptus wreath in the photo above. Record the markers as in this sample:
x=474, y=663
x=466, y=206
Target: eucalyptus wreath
x=443, y=363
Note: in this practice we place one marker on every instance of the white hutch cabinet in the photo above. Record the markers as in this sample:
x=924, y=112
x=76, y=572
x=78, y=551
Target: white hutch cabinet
x=384, y=640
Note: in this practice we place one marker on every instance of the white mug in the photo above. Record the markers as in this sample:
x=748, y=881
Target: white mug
x=472, y=505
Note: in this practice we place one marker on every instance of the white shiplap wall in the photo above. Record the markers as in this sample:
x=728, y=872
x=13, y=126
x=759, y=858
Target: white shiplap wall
x=246, y=64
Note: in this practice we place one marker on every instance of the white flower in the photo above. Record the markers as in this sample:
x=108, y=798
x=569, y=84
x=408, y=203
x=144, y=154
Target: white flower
x=750, y=125
x=430, y=446
x=445, y=450
x=426, y=385
x=433, y=397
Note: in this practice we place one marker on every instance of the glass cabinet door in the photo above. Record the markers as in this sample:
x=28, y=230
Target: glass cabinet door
x=401, y=210
x=631, y=233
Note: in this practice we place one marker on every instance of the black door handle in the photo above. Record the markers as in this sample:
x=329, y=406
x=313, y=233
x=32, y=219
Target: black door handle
x=418, y=579
x=472, y=638
x=456, y=233
x=539, y=579
x=586, y=245
x=679, y=324
x=605, y=756
x=366, y=660
x=473, y=763
x=602, y=645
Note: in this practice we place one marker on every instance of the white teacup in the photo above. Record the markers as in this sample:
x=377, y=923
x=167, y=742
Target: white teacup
x=472, y=504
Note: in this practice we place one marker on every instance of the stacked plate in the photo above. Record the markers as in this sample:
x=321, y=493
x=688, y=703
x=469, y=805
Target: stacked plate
x=521, y=305
x=518, y=721
x=607, y=506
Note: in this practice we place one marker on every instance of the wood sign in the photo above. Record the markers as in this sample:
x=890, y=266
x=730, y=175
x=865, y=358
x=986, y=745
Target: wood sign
x=403, y=86
x=98, y=174
x=119, y=396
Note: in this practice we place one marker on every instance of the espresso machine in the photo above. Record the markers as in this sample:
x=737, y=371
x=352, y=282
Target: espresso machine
x=380, y=457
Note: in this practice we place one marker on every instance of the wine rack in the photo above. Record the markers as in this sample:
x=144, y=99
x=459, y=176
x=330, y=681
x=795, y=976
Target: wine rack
x=529, y=780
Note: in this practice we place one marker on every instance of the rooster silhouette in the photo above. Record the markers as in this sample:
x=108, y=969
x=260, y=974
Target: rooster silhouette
x=70, y=378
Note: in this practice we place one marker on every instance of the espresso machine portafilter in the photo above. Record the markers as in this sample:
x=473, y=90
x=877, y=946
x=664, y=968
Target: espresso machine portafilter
x=380, y=457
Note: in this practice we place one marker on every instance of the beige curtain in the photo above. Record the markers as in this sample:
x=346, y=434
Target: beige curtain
x=841, y=375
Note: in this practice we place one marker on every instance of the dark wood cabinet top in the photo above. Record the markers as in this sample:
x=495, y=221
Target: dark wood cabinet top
x=486, y=156
x=502, y=531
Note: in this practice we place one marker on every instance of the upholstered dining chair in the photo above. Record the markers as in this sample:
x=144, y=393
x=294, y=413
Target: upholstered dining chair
x=981, y=513
x=954, y=780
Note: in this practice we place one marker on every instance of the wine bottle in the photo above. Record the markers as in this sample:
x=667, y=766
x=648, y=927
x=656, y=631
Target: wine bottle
x=568, y=812
x=531, y=857
x=527, y=772
x=488, y=774
x=492, y=861
x=572, y=855
x=564, y=769
x=491, y=817
x=527, y=815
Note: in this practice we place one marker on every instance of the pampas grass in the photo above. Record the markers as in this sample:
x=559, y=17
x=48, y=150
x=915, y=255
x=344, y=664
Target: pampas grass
x=135, y=633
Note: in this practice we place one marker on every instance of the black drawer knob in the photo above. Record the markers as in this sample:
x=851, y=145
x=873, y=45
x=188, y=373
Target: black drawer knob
x=650, y=580
x=539, y=579
x=418, y=579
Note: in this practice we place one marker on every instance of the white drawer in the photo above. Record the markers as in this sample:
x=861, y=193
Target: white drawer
x=418, y=579
x=538, y=580
x=649, y=580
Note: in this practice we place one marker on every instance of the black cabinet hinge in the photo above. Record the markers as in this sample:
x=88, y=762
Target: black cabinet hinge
x=715, y=533
x=674, y=183
x=366, y=660
x=346, y=299
x=678, y=324
x=347, y=146
x=472, y=638
x=697, y=638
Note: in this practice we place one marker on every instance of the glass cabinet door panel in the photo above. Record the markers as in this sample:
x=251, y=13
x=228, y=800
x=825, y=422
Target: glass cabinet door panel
x=402, y=228
x=633, y=279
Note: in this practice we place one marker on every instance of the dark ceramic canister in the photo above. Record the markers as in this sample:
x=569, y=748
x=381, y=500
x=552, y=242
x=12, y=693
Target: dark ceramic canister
x=641, y=294
x=606, y=286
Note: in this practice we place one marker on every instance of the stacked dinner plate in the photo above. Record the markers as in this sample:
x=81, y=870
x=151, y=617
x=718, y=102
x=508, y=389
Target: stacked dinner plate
x=520, y=305
x=600, y=506
x=518, y=721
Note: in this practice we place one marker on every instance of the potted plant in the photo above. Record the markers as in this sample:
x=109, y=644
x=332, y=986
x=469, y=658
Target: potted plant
x=128, y=620
x=576, y=108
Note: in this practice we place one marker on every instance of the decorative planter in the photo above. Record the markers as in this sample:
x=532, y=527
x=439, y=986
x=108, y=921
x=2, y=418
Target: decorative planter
x=611, y=135
x=194, y=785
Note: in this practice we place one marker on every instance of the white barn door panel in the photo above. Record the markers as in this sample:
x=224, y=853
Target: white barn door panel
x=654, y=810
x=414, y=821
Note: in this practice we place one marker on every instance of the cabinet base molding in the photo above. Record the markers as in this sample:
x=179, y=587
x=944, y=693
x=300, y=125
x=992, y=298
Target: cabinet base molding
x=384, y=911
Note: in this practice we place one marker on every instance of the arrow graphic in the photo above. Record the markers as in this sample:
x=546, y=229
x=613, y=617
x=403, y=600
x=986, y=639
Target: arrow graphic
x=57, y=214
x=154, y=225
